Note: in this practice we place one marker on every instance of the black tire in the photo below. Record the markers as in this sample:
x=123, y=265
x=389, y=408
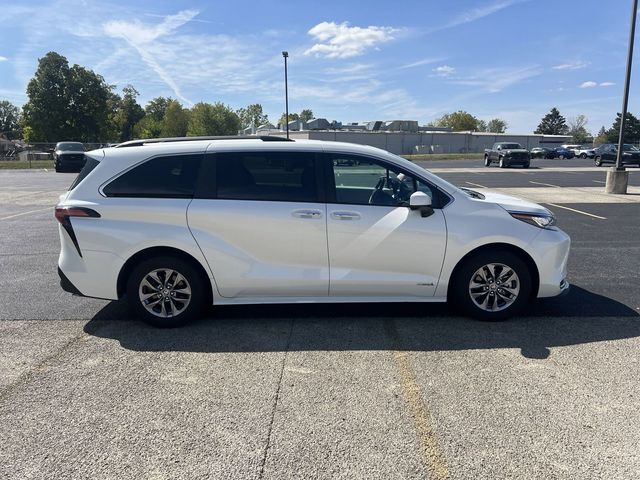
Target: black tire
x=459, y=289
x=526, y=165
x=583, y=156
x=561, y=157
x=487, y=162
x=57, y=167
x=502, y=163
x=598, y=161
x=193, y=278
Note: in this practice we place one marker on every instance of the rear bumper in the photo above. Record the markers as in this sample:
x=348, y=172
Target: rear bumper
x=67, y=285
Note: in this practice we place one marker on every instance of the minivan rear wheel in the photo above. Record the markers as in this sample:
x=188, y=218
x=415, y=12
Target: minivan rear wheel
x=165, y=291
x=491, y=285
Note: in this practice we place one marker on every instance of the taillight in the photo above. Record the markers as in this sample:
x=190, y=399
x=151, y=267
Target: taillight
x=64, y=214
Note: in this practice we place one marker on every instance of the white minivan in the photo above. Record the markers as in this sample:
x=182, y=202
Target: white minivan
x=174, y=225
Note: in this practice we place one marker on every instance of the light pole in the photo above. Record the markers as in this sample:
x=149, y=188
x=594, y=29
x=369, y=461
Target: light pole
x=618, y=177
x=286, y=92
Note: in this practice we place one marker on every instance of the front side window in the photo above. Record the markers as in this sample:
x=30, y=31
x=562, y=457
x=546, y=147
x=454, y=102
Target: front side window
x=162, y=177
x=364, y=181
x=268, y=176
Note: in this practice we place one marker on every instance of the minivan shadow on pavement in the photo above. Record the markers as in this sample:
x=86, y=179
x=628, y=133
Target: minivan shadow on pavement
x=580, y=317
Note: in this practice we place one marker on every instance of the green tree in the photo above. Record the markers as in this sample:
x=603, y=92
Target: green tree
x=46, y=112
x=496, y=125
x=458, y=121
x=9, y=120
x=87, y=94
x=482, y=126
x=601, y=137
x=552, y=124
x=128, y=113
x=577, y=129
x=152, y=123
x=631, y=129
x=252, y=115
x=306, y=115
x=212, y=119
x=175, y=121
x=292, y=117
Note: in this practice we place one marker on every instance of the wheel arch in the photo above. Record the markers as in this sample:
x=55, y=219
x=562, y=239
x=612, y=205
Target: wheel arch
x=151, y=252
x=531, y=264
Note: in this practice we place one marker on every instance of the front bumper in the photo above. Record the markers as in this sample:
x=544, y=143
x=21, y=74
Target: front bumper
x=550, y=250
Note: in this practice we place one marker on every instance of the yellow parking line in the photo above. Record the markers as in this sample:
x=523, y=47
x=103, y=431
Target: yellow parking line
x=578, y=211
x=26, y=213
x=476, y=185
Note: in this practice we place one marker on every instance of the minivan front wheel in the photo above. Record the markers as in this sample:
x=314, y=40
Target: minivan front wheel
x=492, y=285
x=165, y=292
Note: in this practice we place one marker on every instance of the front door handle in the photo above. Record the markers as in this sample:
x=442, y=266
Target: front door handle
x=307, y=213
x=345, y=215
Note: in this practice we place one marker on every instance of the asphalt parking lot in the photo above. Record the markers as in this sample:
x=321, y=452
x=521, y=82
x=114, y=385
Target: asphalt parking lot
x=329, y=391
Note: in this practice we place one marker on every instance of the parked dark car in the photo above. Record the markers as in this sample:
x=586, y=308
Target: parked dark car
x=541, y=152
x=69, y=156
x=608, y=153
x=562, y=153
x=507, y=154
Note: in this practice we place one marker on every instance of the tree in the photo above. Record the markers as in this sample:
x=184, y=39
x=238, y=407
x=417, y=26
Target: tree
x=128, y=113
x=481, y=126
x=497, y=125
x=601, y=137
x=216, y=119
x=458, y=121
x=46, y=111
x=9, y=120
x=252, y=115
x=175, y=121
x=306, y=115
x=87, y=95
x=152, y=123
x=631, y=129
x=292, y=117
x=577, y=129
x=552, y=124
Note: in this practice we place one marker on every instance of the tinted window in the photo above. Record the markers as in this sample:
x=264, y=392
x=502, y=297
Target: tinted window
x=89, y=165
x=274, y=176
x=70, y=146
x=364, y=181
x=170, y=177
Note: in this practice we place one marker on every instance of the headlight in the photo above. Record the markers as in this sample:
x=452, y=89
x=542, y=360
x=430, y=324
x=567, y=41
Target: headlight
x=537, y=220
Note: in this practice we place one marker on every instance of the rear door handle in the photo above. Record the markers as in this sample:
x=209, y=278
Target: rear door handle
x=307, y=213
x=345, y=215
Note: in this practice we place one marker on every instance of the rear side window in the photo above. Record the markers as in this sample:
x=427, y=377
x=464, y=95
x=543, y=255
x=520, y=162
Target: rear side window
x=161, y=177
x=89, y=165
x=270, y=176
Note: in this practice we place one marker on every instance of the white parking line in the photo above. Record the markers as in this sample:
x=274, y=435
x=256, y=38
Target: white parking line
x=598, y=181
x=544, y=184
x=578, y=211
x=26, y=213
x=476, y=185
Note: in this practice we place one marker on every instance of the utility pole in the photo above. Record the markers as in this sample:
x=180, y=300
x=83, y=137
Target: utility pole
x=286, y=92
x=618, y=177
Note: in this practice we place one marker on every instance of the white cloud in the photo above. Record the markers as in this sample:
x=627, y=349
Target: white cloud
x=419, y=63
x=607, y=84
x=571, y=66
x=143, y=38
x=588, y=84
x=3, y=59
x=444, y=71
x=342, y=41
x=496, y=79
x=477, y=13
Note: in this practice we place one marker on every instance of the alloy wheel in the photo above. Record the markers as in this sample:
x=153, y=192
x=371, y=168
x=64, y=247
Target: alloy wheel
x=164, y=292
x=494, y=287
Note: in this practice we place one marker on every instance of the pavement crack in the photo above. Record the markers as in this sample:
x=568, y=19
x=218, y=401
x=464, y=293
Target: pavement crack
x=263, y=461
x=39, y=367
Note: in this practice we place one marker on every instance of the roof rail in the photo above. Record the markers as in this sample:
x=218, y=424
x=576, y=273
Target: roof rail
x=145, y=141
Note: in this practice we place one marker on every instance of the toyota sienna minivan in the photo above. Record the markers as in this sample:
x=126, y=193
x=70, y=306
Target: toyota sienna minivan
x=173, y=225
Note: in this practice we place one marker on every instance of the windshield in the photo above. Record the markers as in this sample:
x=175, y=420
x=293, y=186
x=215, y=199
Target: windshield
x=628, y=147
x=512, y=146
x=70, y=146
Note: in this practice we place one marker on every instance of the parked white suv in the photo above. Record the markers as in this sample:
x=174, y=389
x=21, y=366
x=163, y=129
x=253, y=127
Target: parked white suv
x=178, y=224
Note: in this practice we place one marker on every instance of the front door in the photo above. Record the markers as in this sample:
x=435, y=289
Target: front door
x=263, y=231
x=378, y=246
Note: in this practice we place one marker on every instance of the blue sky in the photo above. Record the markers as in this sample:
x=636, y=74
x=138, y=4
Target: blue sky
x=349, y=61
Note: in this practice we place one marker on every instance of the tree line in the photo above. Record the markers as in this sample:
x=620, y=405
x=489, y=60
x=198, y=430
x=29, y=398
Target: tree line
x=74, y=103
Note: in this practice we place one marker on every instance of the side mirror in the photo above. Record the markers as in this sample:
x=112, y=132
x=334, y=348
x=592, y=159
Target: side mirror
x=421, y=201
